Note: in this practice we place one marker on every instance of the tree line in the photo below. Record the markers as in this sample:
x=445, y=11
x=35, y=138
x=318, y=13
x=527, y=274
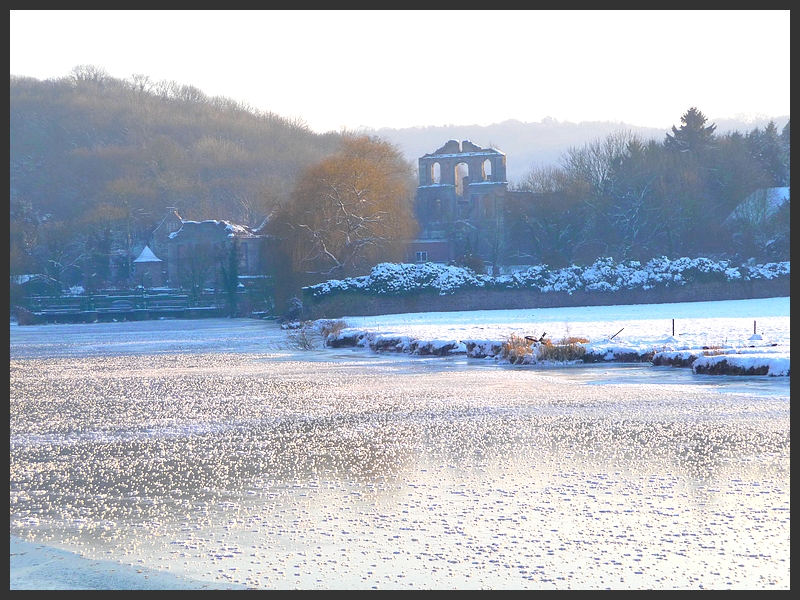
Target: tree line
x=630, y=198
x=95, y=161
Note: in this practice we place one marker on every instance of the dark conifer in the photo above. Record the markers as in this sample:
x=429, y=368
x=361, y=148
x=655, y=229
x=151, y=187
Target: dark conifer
x=693, y=134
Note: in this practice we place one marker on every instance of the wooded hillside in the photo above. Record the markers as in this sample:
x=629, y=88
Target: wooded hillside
x=93, y=157
x=95, y=161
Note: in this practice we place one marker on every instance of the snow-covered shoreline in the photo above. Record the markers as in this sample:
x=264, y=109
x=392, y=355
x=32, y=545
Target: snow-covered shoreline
x=720, y=337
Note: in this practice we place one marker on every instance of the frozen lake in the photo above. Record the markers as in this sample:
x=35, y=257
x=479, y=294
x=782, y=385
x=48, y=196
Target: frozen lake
x=218, y=452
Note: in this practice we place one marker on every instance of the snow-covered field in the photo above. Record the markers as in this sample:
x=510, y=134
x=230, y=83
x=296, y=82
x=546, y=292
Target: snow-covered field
x=745, y=333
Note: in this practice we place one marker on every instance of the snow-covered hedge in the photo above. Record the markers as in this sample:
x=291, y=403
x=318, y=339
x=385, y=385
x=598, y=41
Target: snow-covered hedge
x=397, y=278
x=603, y=275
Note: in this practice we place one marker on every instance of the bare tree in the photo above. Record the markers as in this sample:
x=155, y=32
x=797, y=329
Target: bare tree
x=88, y=74
x=593, y=164
x=128, y=195
x=141, y=83
x=62, y=251
x=196, y=268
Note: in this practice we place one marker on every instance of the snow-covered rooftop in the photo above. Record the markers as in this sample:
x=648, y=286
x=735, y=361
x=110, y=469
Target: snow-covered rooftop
x=761, y=204
x=231, y=228
x=484, y=152
x=147, y=256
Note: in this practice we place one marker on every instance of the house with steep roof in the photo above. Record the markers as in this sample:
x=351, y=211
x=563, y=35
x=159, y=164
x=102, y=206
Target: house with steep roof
x=196, y=250
x=759, y=207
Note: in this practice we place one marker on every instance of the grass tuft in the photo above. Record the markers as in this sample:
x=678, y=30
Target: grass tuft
x=713, y=350
x=524, y=350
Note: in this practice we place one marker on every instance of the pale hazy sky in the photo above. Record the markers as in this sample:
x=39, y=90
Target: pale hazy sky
x=336, y=69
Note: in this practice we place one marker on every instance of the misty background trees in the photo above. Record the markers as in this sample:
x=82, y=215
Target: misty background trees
x=95, y=161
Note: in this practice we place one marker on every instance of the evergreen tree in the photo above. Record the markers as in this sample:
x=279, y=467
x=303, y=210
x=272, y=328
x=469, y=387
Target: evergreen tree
x=693, y=135
x=769, y=151
x=775, y=160
x=229, y=269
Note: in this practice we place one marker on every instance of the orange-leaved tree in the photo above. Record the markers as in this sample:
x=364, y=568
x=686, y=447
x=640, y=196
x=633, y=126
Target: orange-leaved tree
x=353, y=209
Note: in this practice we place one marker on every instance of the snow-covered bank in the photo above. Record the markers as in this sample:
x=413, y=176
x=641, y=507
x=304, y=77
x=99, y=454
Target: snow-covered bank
x=731, y=336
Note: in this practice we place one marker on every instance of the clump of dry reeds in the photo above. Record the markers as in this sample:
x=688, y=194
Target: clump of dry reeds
x=303, y=337
x=564, y=350
x=524, y=350
x=517, y=350
x=331, y=327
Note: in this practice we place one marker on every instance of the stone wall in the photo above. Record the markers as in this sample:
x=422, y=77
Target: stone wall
x=355, y=303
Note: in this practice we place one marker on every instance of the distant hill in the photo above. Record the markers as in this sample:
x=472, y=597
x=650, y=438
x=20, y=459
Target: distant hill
x=538, y=144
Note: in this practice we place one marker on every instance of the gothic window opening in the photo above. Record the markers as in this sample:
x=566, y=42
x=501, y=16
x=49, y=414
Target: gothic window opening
x=487, y=170
x=436, y=173
x=461, y=172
